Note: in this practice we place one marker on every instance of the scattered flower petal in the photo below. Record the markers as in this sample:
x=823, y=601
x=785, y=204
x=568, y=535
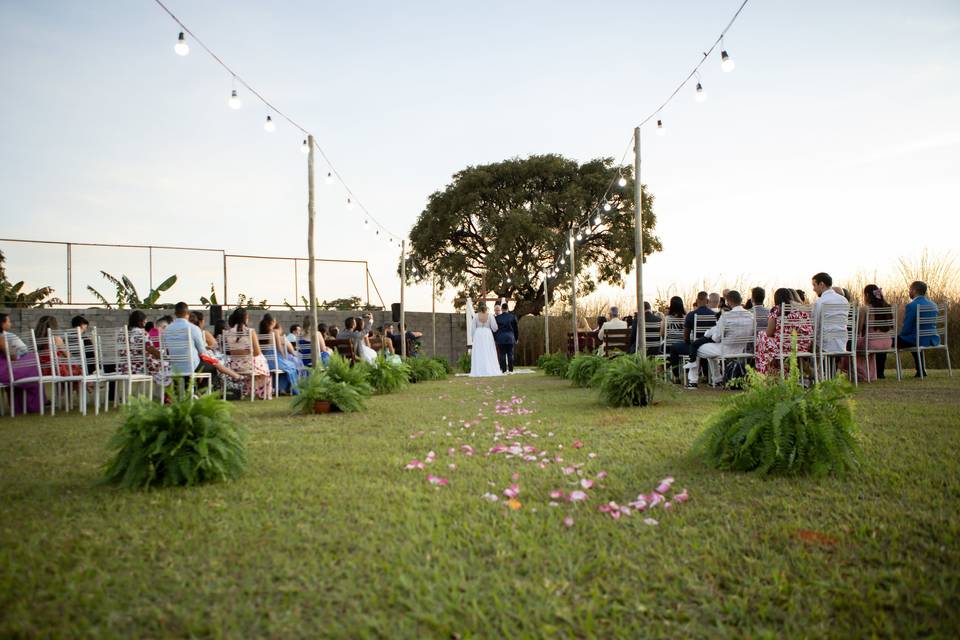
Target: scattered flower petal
x=514, y=504
x=568, y=522
x=586, y=483
x=650, y=521
x=437, y=480
x=577, y=496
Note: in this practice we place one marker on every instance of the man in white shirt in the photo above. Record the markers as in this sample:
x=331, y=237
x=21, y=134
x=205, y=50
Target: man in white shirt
x=613, y=323
x=831, y=310
x=734, y=326
x=184, y=342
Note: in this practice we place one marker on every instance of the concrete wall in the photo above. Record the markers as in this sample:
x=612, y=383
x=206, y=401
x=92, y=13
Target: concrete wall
x=451, y=327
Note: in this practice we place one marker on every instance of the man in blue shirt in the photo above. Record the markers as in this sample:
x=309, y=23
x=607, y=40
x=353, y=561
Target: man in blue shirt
x=909, y=337
x=185, y=343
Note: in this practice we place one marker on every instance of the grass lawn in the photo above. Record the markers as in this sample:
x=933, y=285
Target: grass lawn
x=328, y=535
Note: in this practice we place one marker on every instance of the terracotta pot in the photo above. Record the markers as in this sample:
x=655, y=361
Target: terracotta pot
x=321, y=406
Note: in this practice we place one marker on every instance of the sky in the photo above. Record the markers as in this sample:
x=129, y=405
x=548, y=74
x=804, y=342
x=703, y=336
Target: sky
x=832, y=146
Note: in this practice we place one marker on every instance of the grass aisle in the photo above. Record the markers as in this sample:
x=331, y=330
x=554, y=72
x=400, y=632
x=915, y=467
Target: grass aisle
x=328, y=535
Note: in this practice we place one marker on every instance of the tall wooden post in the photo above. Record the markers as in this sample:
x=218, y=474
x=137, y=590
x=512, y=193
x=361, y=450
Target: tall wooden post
x=433, y=313
x=312, y=271
x=546, y=312
x=573, y=291
x=403, y=291
x=638, y=243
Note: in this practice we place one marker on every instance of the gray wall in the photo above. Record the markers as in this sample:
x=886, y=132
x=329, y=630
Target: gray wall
x=451, y=327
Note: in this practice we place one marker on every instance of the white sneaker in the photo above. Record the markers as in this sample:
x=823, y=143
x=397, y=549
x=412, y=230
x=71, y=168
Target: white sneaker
x=690, y=365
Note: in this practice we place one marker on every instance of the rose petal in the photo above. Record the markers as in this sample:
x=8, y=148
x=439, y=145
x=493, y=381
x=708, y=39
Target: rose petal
x=577, y=444
x=601, y=475
x=568, y=470
x=556, y=493
x=650, y=521
x=568, y=522
x=436, y=480
x=577, y=496
x=491, y=497
x=683, y=496
x=586, y=484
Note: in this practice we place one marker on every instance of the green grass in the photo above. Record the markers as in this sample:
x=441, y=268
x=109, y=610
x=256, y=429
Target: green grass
x=327, y=535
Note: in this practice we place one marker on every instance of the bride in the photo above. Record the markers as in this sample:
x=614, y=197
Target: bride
x=483, y=361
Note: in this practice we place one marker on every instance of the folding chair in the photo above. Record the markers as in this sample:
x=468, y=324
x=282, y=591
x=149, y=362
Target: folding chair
x=270, y=350
x=176, y=362
x=882, y=321
x=238, y=346
x=24, y=371
x=799, y=319
x=837, y=338
x=113, y=366
x=931, y=324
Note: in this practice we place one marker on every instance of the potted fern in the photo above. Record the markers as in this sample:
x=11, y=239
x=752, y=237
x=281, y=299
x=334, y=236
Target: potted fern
x=321, y=393
x=584, y=368
x=628, y=381
x=184, y=443
x=386, y=376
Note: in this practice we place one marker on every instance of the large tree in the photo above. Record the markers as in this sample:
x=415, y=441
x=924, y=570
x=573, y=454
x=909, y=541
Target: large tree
x=498, y=227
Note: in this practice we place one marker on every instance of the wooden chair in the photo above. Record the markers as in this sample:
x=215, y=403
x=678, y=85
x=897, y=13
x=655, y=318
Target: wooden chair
x=344, y=348
x=615, y=342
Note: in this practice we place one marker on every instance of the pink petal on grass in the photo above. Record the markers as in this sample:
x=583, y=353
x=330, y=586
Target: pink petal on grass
x=452, y=466
x=683, y=496
x=556, y=494
x=586, y=484
x=665, y=485
x=515, y=477
x=512, y=491
x=568, y=522
x=577, y=444
x=650, y=521
x=437, y=480
x=577, y=496
x=601, y=475
x=568, y=470
x=414, y=464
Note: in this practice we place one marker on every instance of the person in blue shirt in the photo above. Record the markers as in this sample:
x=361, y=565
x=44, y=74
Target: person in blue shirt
x=683, y=349
x=909, y=335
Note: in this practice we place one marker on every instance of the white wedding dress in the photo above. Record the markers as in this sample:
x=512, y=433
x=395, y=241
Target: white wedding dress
x=483, y=360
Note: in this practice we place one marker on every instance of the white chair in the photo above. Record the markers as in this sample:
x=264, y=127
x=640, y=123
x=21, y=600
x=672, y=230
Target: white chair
x=268, y=347
x=737, y=343
x=837, y=338
x=67, y=368
x=701, y=324
x=799, y=319
x=930, y=326
x=880, y=322
x=672, y=334
x=114, y=366
x=238, y=347
x=761, y=316
x=24, y=371
x=176, y=362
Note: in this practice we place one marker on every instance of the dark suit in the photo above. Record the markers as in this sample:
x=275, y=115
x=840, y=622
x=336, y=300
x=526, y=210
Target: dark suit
x=506, y=339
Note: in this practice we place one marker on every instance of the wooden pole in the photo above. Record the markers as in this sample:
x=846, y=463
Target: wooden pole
x=573, y=291
x=433, y=312
x=312, y=271
x=638, y=242
x=403, y=291
x=546, y=312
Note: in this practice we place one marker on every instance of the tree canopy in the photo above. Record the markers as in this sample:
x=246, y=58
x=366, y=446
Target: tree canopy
x=498, y=227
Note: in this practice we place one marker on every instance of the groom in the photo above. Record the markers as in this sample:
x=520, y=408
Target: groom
x=505, y=336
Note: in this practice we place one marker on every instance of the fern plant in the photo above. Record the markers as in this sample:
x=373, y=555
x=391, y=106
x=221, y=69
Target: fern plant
x=386, y=376
x=465, y=363
x=184, y=443
x=777, y=427
x=629, y=381
x=321, y=386
x=339, y=370
x=583, y=368
x=425, y=369
x=554, y=364
x=443, y=362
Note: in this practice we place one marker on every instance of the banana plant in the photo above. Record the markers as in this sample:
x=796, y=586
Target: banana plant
x=126, y=293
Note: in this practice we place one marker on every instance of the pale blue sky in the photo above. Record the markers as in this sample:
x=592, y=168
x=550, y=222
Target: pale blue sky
x=833, y=145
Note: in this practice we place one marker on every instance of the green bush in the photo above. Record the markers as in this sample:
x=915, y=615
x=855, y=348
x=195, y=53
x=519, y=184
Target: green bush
x=583, y=368
x=386, y=376
x=554, y=364
x=777, y=427
x=443, y=362
x=185, y=443
x=425, y=369
x=321, y=386
x=465, y=363
x=339, y=370
x=628, y=381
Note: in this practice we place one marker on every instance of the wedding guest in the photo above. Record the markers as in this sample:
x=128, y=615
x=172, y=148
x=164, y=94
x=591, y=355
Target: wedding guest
x=295, y=332
x=683, y=349
x=909, y=336
x=868, y=367
x=674, y=310
x=144, y=357
x=46, y=324
x=23, y=364
x=280, y=352
x=244, y=356
x=757, y=296
x=831, y=319
x=210, y=355
x=713, y=303
x=767, y=348
x=613, y=323
x=79, y=322
x=736, y=325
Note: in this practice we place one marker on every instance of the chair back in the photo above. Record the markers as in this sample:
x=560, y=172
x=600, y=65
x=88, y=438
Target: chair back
x=701, y=324
x=800, y=319
x=27, y=365
x=69, y=358
x=344, y=347
x=836, y=327
x=268, y=347
x=176, y=349
x=881, y=320
x=111, y=350
x=652, y=339
x=932, y=322
x=615, y=340
x=738, y=338
x=761, y=316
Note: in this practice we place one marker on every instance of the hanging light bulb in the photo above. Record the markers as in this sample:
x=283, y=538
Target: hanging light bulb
x=596, y=220
x=305, y=148
x=701, y=94
x=329, y=177
x=622, y=181
x=726, y=62
x=182, y=48
x=567, y=252
x=606, y=206
x=269, y=125
x=366, y=224
x=509, y=280
x=234, y=100
x=660, y=130
x=349, y=203
x=579, y=236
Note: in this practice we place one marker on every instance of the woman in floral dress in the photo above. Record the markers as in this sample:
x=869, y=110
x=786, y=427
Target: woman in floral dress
x=238, y=341
x=767, y=349
x=144, y=357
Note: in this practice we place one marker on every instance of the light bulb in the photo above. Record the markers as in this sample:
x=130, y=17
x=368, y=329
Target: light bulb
x=349, y=203
x=182, y=48
x=701, y=94
x=726, y=62
x=579, y=236
x=596, y=220
x=366, y=224
x=622, y=181
x=329, y=177
x=660, y=130
x=305, y=147
x=568, y=252
x=378, y=231
x=269, y=125
x=234, y=100
x=509, y=280
x=606, y=206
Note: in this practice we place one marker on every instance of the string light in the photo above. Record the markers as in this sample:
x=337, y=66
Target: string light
x=329, y=177
x=596, y=220
x=349, y=203
x=701, y=94
x=622, y=181
x=366, y=224
x=269, y=126
x=305, y=148
x=606, y=206
x=234, y=100
x=579, y=236
x=567, y=252
x=182, y=48
x=726, y=62
x=660, y=130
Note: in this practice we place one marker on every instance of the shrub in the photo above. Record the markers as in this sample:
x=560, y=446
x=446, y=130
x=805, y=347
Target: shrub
x=386, y=376
x=777, y=427
x=583, y=368
x=425, y=369
x=554, y=364
x=465, y=363
x=443, y=362
x=628, y=381
x=185, y=443
x=339, y=370
x=321, y=386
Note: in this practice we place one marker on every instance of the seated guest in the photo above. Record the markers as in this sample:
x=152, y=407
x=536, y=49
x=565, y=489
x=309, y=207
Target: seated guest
x=724, y=304
x=683, y=349
x=651, y=320
x=675, y=310
x=218, y=328
x=185, y=343
x=144, y=357
x=649, y=316
x=295, y=332
x=583, y=326
x=714, y=302
x=757, y=296
x=367, y=329
x=613, y=323
x=735, y=324
x=600, y=322
x=767, y=347
x=79, y=322
x=392, y=341
x=244, y=356
x=413, y=340
x=801, y=295
x=280, y=353
x=46, y=324
x=159, y=326
x=909, y=337
x=831, y=319
x=23, y=364
x=333, y=331
x=211, y=355
x=196, y=318
x=361, y=349
x=867, y=368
